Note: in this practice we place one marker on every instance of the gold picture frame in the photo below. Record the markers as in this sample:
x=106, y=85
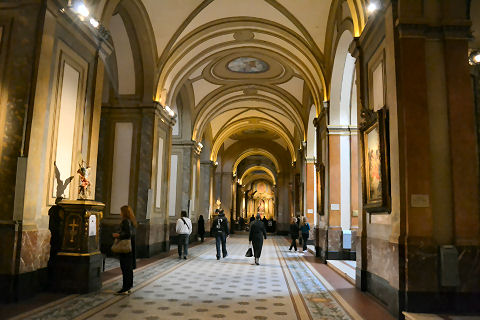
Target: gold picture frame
x=376, y=166
x=321, y=189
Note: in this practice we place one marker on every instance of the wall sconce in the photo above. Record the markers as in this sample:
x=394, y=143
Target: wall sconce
x=474, y=57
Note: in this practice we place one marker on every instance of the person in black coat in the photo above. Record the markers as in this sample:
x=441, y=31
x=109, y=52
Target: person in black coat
x=257, y=234
x=294, y=233
x=201, y=227
x=220, y=232
x=127, y=260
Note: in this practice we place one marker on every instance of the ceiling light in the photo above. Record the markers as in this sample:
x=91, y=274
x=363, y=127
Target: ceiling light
x=94, y=23
x=81, y=9
x=474, y=57
x=372, y=7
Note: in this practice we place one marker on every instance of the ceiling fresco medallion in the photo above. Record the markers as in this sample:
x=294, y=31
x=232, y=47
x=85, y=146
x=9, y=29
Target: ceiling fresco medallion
x=247, y=65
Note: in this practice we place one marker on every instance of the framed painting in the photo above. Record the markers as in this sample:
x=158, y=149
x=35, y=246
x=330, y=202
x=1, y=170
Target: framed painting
x=321, y=189
x=376, y=166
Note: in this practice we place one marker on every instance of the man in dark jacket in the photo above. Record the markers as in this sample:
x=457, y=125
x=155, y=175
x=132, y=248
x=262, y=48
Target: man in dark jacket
x=220, y=232
x=294, y=233
x=257, y=234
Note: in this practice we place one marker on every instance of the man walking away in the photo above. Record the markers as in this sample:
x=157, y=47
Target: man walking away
x=183, y=229
x=294, y=233
x=256, y=236
x=220, y=232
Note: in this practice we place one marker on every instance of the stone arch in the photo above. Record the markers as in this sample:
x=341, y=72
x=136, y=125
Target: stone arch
x=141, y=39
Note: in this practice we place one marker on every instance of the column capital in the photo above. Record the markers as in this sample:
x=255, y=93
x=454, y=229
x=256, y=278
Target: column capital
x=166, y=114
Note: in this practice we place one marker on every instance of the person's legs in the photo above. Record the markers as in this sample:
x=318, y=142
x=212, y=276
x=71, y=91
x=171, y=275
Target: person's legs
x=294, y=244
x=123, y=267
x=224, y=245
x=185, y=243
x=180, y=244
x=305, y=238
x=127, y=271
x=202, y=236
x=217, y=244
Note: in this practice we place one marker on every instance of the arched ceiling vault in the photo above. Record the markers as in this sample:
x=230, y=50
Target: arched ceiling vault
x=256, y=152
x=249, y=66
x=257, y=176
x=258, y=168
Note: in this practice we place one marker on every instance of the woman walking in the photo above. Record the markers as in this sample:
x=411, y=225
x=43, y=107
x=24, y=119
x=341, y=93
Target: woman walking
x=201, y=227
x=305, y=229
x=127, y=260
x=257, y=234
x=294, y=234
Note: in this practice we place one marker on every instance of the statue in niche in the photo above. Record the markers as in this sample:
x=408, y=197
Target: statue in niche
x=84, y=184
x=61, y=185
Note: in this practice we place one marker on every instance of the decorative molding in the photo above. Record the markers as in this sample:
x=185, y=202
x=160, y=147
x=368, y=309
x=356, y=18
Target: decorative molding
x=461, y=30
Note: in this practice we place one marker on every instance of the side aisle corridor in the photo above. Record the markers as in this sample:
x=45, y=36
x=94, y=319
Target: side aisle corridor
x=286, y=285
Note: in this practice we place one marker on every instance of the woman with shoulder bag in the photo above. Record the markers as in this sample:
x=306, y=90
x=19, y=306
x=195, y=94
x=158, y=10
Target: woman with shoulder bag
x=127, y=259
x=256, y=236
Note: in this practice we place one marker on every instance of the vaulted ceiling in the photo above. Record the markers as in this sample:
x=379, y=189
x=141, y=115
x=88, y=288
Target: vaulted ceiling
x=251, y=68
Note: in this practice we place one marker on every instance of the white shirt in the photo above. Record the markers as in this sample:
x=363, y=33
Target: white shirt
x=183, y=228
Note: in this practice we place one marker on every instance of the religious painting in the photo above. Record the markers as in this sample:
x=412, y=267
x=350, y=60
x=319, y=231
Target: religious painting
x=321, y=189
x=247, y=65
x=373, y=164
x=376, y=180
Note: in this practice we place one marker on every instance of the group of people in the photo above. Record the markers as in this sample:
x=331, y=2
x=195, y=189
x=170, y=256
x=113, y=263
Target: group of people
x=299, y=228
x=183, y=228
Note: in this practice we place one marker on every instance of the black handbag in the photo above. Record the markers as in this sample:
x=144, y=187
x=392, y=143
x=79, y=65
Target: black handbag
x=249, y=253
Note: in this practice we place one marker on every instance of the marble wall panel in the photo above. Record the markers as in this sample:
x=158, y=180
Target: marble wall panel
x=35, y=250
x=17, y=45
x=334, y=240
x=469, y=268
x=422, y=267
x=382, y=260
x=145, y=162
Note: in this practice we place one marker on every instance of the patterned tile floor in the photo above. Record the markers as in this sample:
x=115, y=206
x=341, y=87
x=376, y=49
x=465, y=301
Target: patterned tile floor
x=282, y=287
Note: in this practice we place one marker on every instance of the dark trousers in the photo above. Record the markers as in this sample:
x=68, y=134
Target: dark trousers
x=202, y=236
x=183, y=243
x=221, y=239
x=293, y=244
x=257, y=247
x=305, y=238
x=126, y=264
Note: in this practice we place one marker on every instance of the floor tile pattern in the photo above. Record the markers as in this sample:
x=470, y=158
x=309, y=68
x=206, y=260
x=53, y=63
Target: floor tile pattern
x=204, y=288
x=319, y=301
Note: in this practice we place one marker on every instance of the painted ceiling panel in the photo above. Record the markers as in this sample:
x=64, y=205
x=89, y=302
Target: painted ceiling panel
x=284, y=120
x=295, y=87
x=220, y=9
x=228, y=143
x=202, y=88
x=312, y=14
x=281, y=142
x=219, y=121
x=167, y=16
x=198, y=72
